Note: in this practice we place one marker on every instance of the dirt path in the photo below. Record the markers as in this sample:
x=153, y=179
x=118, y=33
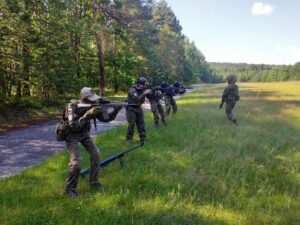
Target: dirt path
x=25, y=147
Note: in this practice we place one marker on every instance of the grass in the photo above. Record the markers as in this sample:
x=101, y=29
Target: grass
x=200, y=169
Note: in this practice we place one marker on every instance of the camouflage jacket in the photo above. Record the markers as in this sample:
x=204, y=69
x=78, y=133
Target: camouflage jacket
x=135, y=96
x=231, y=93
x=77, y=120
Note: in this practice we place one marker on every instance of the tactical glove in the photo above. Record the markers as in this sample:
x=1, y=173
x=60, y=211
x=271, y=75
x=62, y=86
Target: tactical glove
x=117, y=108
x=148, y=91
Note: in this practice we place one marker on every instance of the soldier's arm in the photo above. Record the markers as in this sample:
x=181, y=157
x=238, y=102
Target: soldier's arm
x=138, y=99
x=225, y=94
x=236, y=92
x=75, y=123
x=110, y=116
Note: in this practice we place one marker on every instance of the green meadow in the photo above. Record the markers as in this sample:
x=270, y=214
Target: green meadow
x=200, y=169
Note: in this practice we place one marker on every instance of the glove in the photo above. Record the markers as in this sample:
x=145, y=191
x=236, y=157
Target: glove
x=148, y=91
x=117, y=108
x=90, y=114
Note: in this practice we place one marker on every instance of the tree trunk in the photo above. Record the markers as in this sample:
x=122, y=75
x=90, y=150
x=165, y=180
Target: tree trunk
x=26, y=69
x=100, y=51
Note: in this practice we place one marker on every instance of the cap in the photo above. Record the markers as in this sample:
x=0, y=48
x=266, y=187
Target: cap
x=88, y=93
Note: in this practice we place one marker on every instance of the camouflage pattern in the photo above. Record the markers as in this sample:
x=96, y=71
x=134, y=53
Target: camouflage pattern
x=135, y=114
x=230, y=96
x=156, y=107
x=79, y=121
x=170, y=102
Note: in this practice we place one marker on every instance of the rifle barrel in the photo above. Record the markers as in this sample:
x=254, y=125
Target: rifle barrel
x=106, y=161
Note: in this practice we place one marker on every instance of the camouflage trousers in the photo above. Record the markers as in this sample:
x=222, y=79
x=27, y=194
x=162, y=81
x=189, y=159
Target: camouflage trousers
x=135, y=117
x=76, y=160
x=229, y=108
x=170, y=102
x=157, y=110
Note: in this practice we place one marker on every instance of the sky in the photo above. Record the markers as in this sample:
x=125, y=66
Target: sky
x=247, y=31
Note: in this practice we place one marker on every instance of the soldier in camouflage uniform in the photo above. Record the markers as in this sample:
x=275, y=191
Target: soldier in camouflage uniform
x=156, y=107
x=169, y=93
x=230, y=97
x=169, y=98
x=135, y=114
x=79, y=122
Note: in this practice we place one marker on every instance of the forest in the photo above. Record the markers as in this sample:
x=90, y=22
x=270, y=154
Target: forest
x=50, y=49
x=257, y=72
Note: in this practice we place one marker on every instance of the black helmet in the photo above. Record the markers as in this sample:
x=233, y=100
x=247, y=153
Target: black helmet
x=164, y=84
x=231, y=79
x=177, y=84
x=141, y=80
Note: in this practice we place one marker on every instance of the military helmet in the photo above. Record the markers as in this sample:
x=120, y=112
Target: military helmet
x=177, y=84
x=164, y=84
x=231, y=79
x=88, y=93
x=141, y=80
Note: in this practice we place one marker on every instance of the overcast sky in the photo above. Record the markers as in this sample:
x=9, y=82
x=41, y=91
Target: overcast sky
x=242, y=30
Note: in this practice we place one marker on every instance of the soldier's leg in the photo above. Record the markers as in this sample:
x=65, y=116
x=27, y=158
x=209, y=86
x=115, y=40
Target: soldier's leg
x=74, y=167
x=174, y=106
x=168, y=105
x=93, y=150
x=131, y=119
x=154, y=110
x=140, y=123
x=162, y=113
x=229, y=108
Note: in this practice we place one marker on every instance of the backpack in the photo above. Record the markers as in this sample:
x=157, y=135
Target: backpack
x=62, y=129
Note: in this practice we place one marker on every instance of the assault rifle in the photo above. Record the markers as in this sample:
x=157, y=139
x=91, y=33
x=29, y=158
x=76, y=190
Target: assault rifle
x=108, y=160
x=170, y=89
x=104, y=103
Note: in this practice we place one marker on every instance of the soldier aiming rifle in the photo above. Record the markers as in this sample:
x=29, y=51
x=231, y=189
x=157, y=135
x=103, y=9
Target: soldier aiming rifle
x=75, y=129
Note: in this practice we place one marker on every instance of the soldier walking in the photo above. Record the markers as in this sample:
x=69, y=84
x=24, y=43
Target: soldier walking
x=79, y=123
x=230, y=97
x=134, y=113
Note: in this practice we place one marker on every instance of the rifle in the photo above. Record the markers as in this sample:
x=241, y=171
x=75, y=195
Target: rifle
x=221, y=105
x=170, y=89
x=106, y=161
x=104, y=103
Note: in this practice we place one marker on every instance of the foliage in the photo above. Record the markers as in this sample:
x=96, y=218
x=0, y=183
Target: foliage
x=51, y=49
x=257, y=72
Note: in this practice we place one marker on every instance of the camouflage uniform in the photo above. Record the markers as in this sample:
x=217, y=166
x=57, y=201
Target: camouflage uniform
x=230, y=96
x=135, y=114
x=79, y=121
x=156, y=107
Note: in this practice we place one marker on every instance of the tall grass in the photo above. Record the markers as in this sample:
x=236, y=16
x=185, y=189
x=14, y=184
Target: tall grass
x=200, y=169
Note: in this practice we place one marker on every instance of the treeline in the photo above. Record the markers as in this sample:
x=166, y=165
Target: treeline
x=257, y=72
x=49, y=49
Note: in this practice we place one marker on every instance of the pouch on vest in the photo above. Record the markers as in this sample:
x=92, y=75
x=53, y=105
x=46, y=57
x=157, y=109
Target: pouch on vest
x=62, y=129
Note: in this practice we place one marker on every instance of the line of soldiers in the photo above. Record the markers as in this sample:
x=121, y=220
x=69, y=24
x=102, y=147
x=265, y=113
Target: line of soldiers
x=78, y=121
x=78, y=125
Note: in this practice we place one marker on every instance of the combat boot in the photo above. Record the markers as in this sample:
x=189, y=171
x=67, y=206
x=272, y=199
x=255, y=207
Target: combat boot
x=235, y=122
x=72, y=193
x=98, y=186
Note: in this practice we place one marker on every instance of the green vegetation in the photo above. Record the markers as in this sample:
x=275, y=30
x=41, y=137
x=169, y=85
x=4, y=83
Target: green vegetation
x=200, y=169
x=257, y=72
x=49, y=50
